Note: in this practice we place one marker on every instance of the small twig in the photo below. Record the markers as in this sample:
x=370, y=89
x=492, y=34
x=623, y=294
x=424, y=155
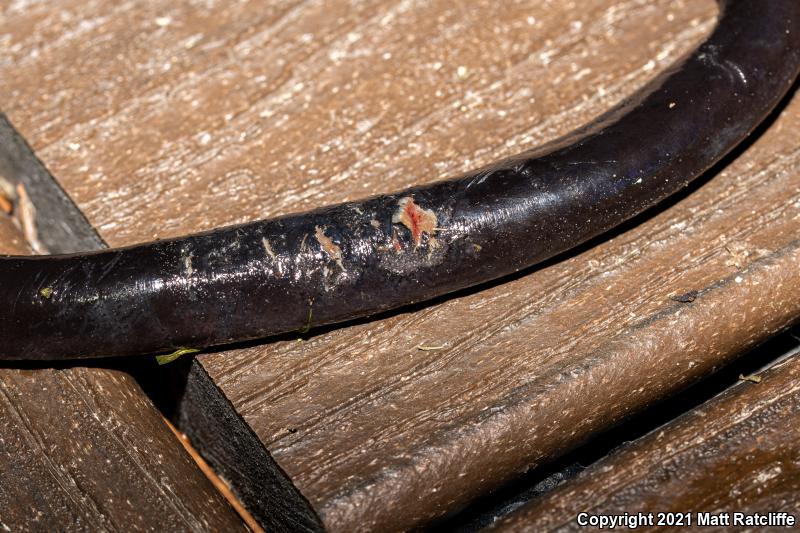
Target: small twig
x=27, y=219
x=752, y=378
x=424, y=348
x=737, y=257
x=168, y=358
x=305, y=329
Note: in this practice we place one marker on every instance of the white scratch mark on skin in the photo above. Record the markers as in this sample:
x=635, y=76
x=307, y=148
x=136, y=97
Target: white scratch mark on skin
x=607, y=161
x=733, y=66
x=268, y=249
x=731, y=69
x=187, y=265
x=480, y=177
x=328, y=246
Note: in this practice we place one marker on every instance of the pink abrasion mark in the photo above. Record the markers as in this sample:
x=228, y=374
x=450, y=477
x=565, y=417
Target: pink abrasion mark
x=417, y=219
x=397, y=246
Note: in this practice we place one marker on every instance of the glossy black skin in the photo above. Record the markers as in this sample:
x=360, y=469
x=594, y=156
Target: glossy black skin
x=227, y=285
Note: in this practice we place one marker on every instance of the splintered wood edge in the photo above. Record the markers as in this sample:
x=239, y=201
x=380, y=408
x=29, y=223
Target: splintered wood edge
x=219, y=483
x=234, y=451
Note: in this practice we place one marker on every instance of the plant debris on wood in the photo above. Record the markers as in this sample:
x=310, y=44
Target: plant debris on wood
x=685, y=298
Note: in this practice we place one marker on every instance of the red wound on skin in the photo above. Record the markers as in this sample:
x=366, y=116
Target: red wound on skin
x=415, y=218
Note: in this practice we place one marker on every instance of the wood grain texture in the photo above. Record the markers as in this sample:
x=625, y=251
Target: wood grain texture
x=738, y=452
x=82, y=449
x=184, y=117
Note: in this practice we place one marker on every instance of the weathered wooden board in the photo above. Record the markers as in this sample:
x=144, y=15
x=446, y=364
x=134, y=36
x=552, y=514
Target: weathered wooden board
x=737, y=453
x=176, y=118
x=83, y=449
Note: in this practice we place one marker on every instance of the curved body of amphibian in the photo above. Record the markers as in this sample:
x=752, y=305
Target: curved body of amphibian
x=356, y=259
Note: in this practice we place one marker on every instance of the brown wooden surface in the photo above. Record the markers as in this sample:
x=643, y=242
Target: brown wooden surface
x=739, y=452
x=171, y=118
x=83, y=449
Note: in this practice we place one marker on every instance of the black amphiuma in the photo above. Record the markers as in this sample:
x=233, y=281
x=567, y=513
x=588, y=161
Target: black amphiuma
x=356, y=259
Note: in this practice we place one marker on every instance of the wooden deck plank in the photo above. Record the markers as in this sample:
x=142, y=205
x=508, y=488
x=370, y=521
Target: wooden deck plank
x=266, y=110
x=83, y=449
x=739, y=452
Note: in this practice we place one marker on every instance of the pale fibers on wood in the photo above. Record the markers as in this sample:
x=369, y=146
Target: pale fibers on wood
x=739, y=452
x=83, y=449
x=383, y=434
